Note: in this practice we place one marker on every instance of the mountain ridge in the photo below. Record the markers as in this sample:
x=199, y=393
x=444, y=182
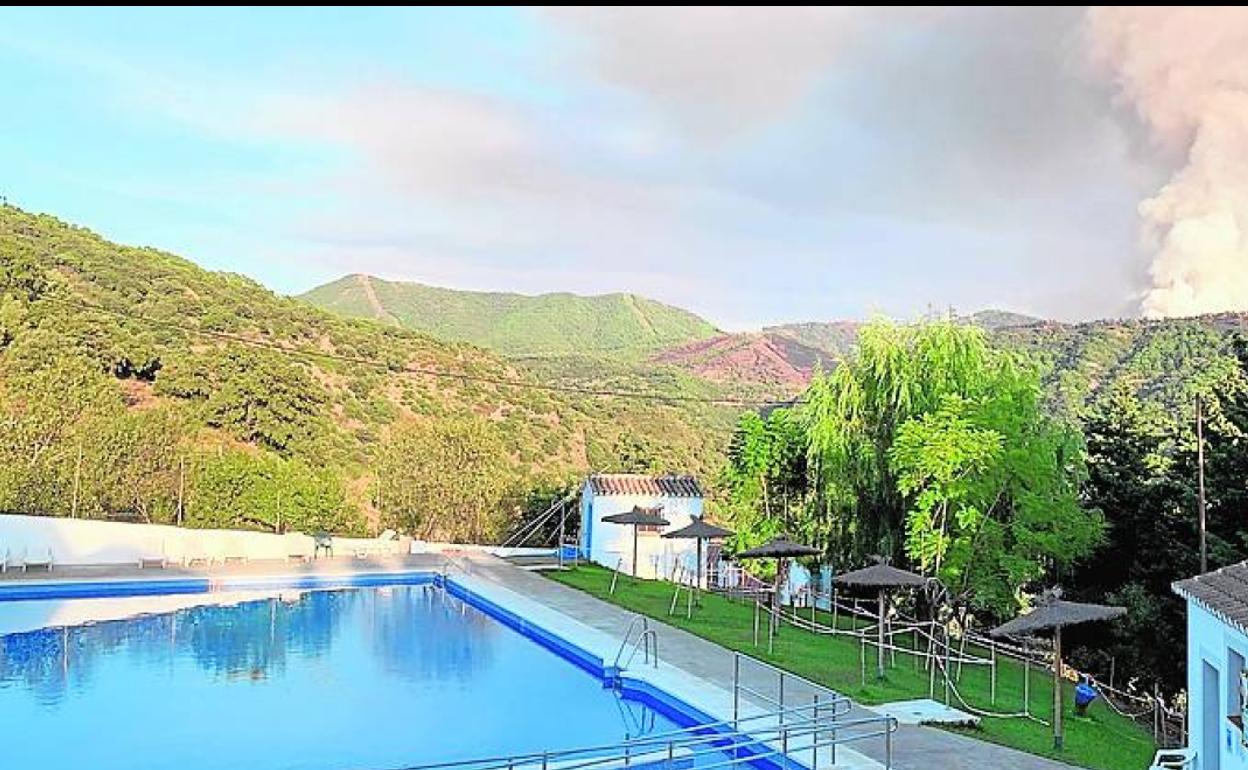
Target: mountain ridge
x=553, y=323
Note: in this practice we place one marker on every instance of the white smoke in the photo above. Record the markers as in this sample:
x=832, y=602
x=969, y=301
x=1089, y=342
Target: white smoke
x=1185, y=72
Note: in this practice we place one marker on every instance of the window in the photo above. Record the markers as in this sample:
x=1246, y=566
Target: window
x=648, y=529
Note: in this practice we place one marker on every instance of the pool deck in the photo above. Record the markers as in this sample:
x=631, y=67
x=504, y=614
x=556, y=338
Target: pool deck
x=688, y=662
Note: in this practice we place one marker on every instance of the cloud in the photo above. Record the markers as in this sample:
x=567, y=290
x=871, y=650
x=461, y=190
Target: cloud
x=1185, y=73
x=714, y=72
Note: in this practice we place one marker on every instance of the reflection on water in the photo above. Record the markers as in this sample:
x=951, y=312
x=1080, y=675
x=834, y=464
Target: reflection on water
x=362, y=677
x=416, y=633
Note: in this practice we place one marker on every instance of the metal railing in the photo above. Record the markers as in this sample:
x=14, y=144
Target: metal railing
x=794, y=738
x=648, y=641
x=642, y=623
x=534, y=525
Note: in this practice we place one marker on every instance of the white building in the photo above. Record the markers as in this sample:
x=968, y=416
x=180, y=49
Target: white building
x=1217, y=679
x=611, y=545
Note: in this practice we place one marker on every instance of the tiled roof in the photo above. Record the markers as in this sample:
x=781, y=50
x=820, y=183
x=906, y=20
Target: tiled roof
x=1224, y=592
x=645, y=486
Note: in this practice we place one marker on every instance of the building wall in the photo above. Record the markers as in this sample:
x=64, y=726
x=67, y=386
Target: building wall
x=83, y=541
x=607, y=544
x=1215, y=652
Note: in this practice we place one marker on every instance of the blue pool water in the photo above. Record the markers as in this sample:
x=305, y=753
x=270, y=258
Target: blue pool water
x=360, y=678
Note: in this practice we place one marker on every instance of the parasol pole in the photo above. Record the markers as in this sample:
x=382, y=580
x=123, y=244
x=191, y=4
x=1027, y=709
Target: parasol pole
x=1057, y=688
x=634, y=551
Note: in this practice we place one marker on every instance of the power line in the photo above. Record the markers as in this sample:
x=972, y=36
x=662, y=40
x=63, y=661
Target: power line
x=422, y=371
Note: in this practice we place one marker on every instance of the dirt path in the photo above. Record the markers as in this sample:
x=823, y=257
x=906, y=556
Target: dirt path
x=374, y=302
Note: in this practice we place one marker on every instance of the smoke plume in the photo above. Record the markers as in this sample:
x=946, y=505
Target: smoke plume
x=1185, y=72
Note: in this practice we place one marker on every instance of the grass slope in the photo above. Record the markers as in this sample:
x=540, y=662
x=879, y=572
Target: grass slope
x=1104, y=740
x=619, y=325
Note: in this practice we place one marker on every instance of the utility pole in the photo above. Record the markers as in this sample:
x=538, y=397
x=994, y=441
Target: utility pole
x=1200, y=484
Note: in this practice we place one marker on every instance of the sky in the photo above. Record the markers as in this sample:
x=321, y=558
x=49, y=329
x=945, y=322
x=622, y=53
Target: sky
x=753, y=165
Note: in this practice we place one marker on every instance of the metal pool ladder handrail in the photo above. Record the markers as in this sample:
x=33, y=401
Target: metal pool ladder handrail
x=644, y=623
x=648, y=641
x=790, y=739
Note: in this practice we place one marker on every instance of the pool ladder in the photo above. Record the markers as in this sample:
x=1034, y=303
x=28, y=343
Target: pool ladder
x=647, y=641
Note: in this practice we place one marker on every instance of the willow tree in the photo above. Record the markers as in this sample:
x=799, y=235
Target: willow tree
x=766, y=476
x=853, y=413
x=931, y=445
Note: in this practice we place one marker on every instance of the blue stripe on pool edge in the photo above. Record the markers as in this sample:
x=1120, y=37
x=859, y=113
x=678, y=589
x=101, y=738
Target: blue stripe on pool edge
x=98, y=589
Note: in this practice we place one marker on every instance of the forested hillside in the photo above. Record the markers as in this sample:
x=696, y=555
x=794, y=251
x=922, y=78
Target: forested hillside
x=134, y=384
x=619, y=325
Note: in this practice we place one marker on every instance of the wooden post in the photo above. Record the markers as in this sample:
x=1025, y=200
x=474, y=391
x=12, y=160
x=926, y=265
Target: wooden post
x=634, y=551
x=992, y=646
x=1057, y=688
x=879, y=633
x=1027, y=680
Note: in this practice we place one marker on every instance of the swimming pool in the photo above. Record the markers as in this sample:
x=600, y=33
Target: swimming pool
x=304, y=677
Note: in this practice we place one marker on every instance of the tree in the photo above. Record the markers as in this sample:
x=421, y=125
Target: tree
x=236, y=488
x=853, y=414
x=929, y=444
x=450, y=479
x=766, y=475
x=257, y=396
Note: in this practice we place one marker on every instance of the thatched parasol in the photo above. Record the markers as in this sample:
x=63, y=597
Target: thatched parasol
x=780, y=549
x=1052, y=613
x=881, y=576
x=638, y=517
x=699, y=530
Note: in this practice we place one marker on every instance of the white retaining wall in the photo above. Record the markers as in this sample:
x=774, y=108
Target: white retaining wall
x=83, y=541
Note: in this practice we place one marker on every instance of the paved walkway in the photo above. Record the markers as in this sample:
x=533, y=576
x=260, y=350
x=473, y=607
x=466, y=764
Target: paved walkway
x=914, y=748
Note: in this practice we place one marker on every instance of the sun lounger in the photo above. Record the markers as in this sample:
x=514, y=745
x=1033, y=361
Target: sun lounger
x=154, y=559
x=40, y=558
x=15, y=558
x=235, y=551
x=196, y=554
x=299, y=549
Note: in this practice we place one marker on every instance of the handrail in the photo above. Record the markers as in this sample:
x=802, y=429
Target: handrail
x=782, y=733
x=628, y=634
x=831, y=698
x=527, y=529
x=653, y=644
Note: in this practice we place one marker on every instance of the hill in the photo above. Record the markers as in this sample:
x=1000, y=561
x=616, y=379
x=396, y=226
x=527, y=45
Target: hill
x=135, y=384
x=767, y=359
x=618, y=325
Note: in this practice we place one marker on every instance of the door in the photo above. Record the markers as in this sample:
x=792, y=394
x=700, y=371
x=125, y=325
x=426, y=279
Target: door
x=1210, y=718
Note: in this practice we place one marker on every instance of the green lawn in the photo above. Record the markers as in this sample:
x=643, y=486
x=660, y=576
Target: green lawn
x=1103, y=740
